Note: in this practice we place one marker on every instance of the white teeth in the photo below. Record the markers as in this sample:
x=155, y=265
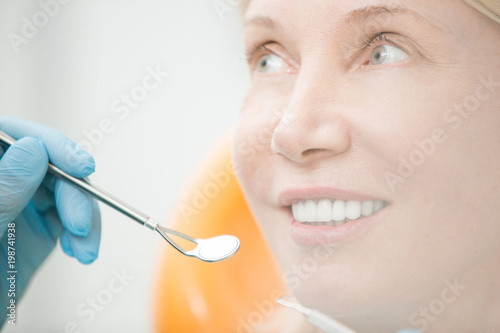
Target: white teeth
x=295, y=209
x=338, y=210
x=367, y=208
x=298, y=211
x=324, y=210
x=353, y=209
x=334, y=212
x=310, y=211
x=378, y=205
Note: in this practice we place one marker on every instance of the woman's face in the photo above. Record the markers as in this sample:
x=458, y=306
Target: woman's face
x=387, y=112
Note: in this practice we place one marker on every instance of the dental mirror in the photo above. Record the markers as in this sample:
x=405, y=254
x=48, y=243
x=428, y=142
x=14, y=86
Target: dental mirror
x=213, y=249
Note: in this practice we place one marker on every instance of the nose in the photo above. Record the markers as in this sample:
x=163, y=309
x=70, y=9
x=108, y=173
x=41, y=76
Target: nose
x=311, y=129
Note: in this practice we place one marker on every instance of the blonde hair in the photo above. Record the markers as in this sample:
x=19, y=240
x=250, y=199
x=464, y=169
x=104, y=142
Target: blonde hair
x=490, y=8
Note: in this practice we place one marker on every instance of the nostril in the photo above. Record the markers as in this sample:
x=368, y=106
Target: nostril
x=310, y=152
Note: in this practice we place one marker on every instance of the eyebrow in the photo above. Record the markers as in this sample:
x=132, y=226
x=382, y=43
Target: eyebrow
x=363, y=14
x=264, y=21
x=354, y=17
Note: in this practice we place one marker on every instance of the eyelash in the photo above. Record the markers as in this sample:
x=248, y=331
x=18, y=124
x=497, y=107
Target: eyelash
x=260, y=47
x=256, y=49
x=379, y=37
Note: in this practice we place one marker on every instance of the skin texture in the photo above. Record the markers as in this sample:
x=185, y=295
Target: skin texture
x=337, y=120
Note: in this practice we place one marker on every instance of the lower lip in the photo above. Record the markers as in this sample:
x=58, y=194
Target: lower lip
x=306, y=234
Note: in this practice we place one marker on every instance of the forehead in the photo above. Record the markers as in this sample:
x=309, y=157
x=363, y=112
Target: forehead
x=293, y=13
x=322, y=19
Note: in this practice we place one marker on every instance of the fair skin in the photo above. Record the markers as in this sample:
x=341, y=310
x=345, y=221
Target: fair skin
x=341, y=92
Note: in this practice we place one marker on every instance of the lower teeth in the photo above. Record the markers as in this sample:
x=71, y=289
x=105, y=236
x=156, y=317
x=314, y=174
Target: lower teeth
x=329, y=223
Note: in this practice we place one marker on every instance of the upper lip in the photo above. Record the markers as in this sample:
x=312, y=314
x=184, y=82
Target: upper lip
x=289, y=196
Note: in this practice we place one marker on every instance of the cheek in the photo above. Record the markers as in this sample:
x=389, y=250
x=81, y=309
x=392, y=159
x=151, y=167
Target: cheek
x=252, y=139
x=251, y=147
x=464, y=171
x=425, y=132
x=444, y=171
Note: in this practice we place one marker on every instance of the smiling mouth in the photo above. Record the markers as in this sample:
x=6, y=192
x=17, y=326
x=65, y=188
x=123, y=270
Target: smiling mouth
x=334, y=212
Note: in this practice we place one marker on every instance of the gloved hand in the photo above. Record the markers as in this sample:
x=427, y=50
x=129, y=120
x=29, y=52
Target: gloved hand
x=409, y=330
x=35, y=208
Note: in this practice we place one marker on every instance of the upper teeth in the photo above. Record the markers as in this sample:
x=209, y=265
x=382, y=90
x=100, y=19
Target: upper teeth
x=334, y=212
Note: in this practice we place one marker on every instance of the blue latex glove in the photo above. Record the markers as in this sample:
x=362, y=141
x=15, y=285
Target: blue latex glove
x=41, y=206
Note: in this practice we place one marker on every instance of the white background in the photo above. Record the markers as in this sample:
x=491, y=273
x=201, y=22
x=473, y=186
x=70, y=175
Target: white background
x=67, y=76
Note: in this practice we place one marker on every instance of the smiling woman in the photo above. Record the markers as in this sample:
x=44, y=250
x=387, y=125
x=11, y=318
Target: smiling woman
x=362, y=87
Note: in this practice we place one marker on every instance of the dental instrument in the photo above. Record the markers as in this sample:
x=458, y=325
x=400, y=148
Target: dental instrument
x=317, y=318
x=213, y=249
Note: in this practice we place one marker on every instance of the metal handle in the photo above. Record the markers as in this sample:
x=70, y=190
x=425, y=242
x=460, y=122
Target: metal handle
x=93, y=190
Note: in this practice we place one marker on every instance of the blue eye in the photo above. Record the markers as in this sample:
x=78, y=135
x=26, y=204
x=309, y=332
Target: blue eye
x=271, y=63
x=387, y=54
